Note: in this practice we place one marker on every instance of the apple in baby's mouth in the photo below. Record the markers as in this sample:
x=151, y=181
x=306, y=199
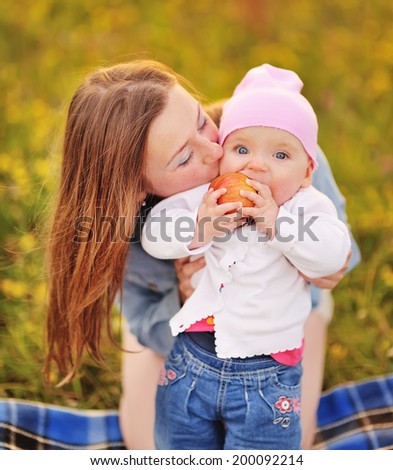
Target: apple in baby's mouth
x=233, y=182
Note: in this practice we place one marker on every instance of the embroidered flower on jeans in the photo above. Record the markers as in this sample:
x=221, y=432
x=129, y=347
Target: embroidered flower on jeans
x=162, y=380
x=296, y=405
x=284, y=404
x=171, y=374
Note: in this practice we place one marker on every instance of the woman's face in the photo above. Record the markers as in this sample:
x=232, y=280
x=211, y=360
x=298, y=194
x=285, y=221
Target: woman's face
x=182, y=149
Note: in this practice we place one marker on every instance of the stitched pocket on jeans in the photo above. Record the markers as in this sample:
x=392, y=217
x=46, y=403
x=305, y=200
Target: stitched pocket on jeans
x=287, y=378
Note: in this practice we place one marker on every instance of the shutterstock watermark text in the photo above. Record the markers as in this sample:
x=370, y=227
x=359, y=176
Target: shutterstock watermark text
x=182, y=229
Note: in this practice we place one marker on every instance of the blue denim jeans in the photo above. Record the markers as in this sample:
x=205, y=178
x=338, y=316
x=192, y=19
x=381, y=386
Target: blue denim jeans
x=204, y=402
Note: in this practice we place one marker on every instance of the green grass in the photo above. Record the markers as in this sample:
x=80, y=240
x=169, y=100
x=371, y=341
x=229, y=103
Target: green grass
x=342, y=50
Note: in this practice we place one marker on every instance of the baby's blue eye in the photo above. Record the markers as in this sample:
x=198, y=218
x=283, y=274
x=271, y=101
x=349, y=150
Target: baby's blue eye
x=281, y=155
x=241, y=150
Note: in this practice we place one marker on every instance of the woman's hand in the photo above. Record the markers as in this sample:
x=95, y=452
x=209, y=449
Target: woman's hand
x=184, y=270
x=329, y=282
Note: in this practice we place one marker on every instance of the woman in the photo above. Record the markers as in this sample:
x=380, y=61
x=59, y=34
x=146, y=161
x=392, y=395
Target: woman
x=129, y=131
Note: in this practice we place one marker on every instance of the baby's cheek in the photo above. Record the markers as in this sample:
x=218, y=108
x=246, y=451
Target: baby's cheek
x=282, y=193
x=229, y=165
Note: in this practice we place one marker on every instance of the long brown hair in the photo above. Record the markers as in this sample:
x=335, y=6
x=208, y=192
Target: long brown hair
x=102, y=182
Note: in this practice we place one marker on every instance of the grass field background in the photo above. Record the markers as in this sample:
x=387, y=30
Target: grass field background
x=343, y=51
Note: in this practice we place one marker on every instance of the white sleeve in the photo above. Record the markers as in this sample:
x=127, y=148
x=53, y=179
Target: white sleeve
x=310, y=235
x=170, y=226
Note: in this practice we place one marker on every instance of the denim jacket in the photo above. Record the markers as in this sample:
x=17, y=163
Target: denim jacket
x=150, y=294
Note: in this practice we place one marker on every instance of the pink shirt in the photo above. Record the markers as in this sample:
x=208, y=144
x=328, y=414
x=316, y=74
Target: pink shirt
x=290, y=357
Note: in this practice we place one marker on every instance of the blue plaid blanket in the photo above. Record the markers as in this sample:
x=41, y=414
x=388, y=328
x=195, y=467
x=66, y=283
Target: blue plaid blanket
x=353, y=416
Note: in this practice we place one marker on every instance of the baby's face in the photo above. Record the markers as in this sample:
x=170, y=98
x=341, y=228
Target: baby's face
x=271, y=156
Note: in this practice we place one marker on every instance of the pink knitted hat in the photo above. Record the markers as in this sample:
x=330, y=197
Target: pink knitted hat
x=270, y=96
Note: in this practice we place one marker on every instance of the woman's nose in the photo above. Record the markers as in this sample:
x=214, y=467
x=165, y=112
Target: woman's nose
x=213, y=152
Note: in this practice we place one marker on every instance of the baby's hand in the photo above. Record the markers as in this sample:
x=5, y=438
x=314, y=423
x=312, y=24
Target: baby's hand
x=213, y=220
x=265, y=210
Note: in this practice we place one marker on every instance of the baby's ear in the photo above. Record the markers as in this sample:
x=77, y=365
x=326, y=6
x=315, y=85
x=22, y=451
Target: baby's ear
x=308, y=176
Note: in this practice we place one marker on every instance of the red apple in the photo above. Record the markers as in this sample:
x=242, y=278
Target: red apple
x=233, y=182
